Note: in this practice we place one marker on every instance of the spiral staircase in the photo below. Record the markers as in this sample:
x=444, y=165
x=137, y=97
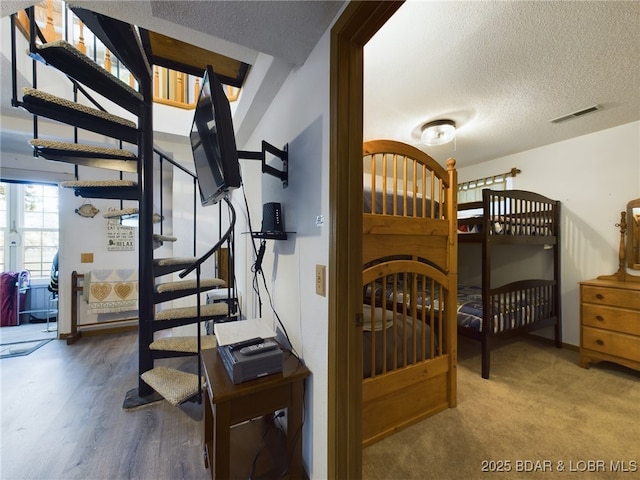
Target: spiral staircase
x=155, y=380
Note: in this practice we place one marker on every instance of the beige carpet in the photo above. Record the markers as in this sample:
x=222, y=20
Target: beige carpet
x=539, y=406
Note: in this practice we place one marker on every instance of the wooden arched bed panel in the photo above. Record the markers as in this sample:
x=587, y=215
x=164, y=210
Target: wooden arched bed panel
x=409, y=287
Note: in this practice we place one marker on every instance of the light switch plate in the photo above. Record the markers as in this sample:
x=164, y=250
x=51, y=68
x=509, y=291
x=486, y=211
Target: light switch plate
x=321, y=280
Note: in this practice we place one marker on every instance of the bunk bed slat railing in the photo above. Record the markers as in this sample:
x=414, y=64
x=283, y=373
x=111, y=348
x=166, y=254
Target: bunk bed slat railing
x=519, y=304
x=411, y=305
x=414, y=189
x=512, y=213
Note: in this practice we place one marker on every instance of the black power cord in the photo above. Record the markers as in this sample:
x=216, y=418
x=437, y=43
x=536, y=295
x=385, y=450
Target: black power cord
x=257, y=269
x=257, y=266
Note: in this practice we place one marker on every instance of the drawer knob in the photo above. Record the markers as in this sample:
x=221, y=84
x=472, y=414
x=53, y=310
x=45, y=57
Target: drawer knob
x=600, y=342
x=599, y=318
x=599, y=296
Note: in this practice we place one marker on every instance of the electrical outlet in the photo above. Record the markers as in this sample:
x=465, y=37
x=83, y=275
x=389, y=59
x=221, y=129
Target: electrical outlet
x=321, y=280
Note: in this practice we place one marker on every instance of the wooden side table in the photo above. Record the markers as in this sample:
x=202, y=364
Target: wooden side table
x=226, y=404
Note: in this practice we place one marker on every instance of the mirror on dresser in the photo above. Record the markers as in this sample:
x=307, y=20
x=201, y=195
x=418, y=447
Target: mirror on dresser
x=610, y=304
x=629, y=248
x=633, y=234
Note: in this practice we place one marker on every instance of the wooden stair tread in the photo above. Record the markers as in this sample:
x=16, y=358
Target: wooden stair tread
x=66, y=58
x=87, y=155
x=174, y=385
x=184, y=344
x=81, y=116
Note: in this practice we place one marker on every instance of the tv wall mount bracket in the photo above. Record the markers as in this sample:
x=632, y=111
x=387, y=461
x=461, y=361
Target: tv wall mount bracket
x=283, y=155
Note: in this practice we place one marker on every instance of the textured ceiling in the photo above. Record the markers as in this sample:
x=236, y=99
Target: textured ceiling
x=283, y=29
x=500, y=69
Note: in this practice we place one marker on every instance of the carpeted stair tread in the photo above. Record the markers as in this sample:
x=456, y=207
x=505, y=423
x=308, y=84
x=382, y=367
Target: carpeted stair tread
x=122, y=212
x=79, y=147
x=112, y=189
x=97, y=183
x=207, y=310
x=86, y=155
x=175, y=386
x=189, y=285
x=130, y=212
x=169, y=261
x=183, y=344
x=66, y=58
x=164, y=266
x=163, y=238
x=47, y=98
x=220, y=294
x=70, y=113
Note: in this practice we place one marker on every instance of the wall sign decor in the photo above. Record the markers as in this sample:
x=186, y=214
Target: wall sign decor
x=119, y=238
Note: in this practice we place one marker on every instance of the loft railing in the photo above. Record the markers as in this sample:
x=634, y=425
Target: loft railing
x=170, y=87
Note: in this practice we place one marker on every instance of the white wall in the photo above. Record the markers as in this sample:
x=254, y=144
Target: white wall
x=80, y=235
x=299, y=117
x=594, y=176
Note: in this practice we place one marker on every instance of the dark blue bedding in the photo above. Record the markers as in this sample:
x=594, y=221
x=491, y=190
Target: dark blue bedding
x=511, y=310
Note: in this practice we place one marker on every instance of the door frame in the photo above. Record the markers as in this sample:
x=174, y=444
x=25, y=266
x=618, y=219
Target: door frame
x=355, y=27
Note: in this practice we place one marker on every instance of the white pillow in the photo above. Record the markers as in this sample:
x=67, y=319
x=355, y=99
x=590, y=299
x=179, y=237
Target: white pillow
x=366, y=310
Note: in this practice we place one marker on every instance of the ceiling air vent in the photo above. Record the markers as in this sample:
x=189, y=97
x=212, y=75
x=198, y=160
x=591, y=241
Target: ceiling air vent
x=579, y=113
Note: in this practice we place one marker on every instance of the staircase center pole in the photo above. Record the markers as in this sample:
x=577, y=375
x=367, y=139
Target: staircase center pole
x=146, y=309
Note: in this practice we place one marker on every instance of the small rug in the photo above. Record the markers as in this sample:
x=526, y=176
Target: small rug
x=20, y=349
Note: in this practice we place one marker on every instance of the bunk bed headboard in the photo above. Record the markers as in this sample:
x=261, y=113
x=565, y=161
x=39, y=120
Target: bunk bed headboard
x=405, y=183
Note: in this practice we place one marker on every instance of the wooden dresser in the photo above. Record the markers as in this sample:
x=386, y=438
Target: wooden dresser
x=610, y=322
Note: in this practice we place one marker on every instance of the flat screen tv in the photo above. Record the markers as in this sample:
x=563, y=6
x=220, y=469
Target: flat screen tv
x=213, y=142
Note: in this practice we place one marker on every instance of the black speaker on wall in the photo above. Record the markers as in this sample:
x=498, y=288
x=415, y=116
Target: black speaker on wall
x=272, y=217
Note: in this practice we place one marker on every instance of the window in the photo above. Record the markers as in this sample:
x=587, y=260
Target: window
x=471, y=191
x=29, y=227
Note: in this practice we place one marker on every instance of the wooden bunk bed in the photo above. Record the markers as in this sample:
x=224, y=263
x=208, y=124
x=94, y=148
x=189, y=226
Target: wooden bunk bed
x=409, y=279
x=489, y=312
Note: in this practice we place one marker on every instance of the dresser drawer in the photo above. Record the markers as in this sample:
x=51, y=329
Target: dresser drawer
x=618, y=344
x=611, y=318
x=616, y=297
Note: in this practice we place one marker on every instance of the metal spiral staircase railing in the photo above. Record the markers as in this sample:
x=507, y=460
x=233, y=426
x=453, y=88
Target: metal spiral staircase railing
x=155, y=381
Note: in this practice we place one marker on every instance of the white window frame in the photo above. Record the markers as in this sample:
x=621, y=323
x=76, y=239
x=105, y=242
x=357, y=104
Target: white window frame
x=14, y=232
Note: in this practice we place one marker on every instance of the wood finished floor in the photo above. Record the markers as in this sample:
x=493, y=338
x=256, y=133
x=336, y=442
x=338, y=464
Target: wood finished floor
x=62, y=417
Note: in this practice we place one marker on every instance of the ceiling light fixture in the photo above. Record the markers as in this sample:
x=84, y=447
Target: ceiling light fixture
x=438, y=132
